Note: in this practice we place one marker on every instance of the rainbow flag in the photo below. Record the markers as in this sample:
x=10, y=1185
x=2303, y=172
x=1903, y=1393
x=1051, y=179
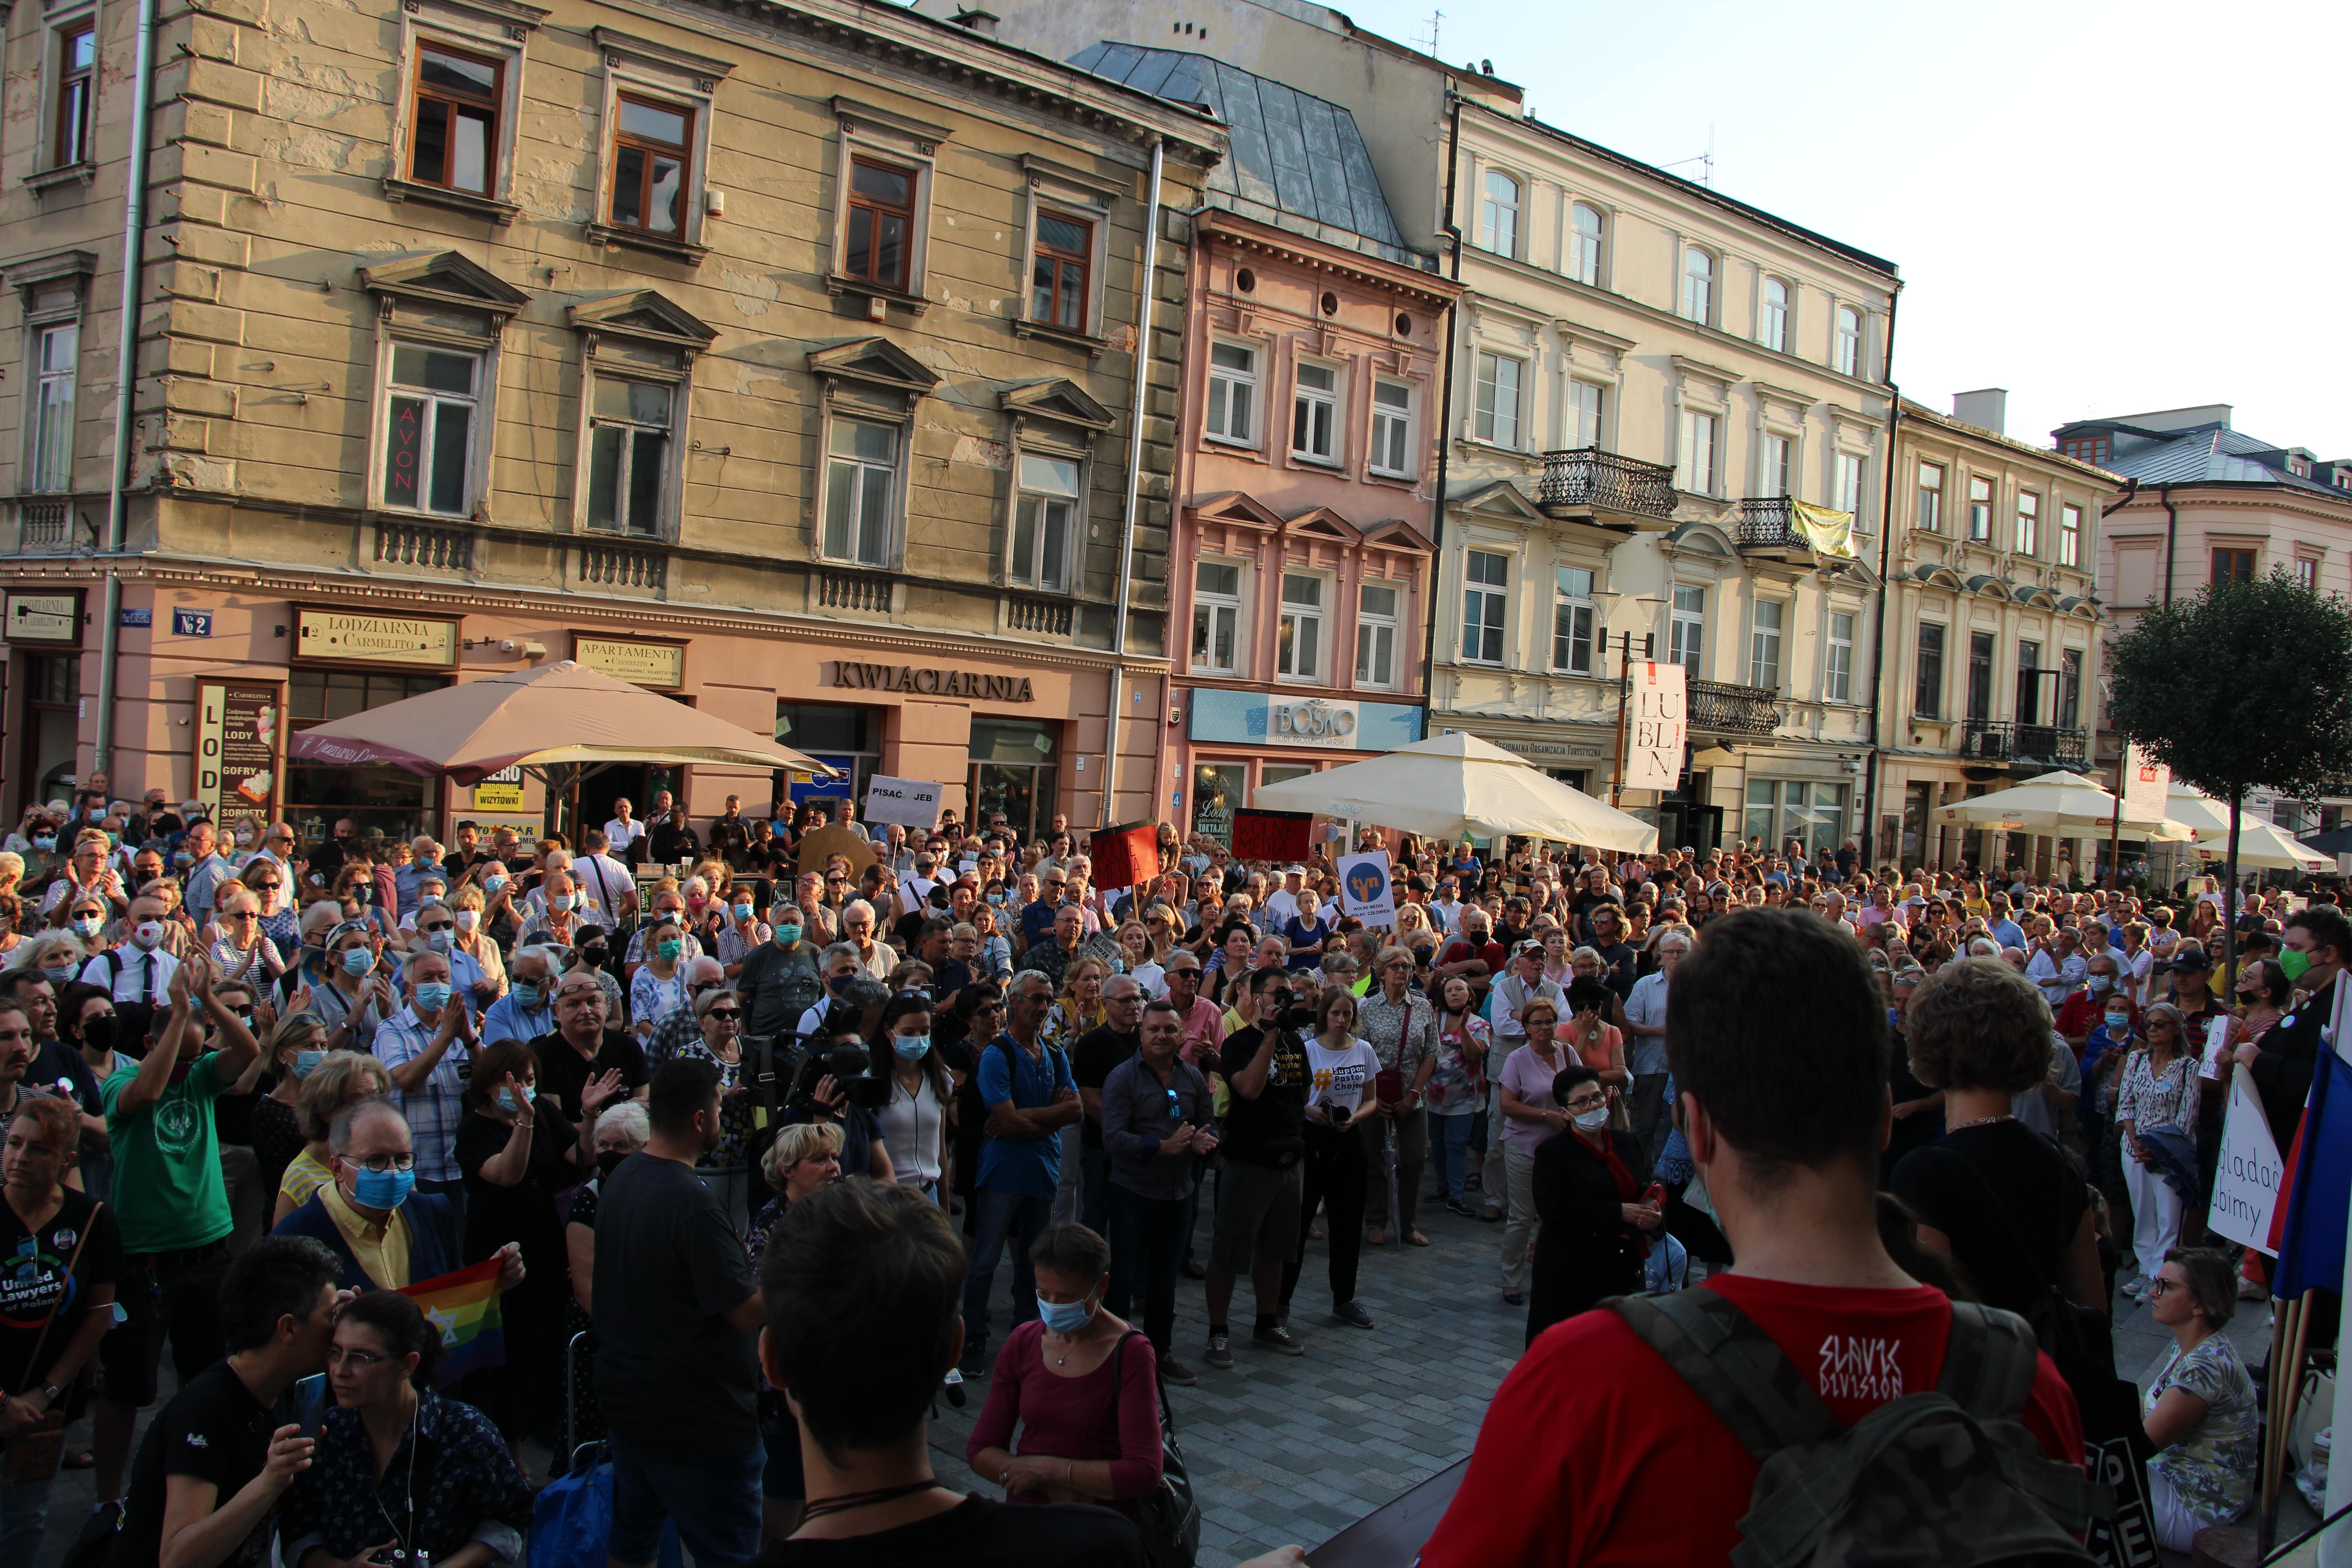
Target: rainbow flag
x=464, y=1307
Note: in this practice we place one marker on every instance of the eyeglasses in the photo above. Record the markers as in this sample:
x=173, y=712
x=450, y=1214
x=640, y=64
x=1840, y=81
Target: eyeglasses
x=358, y=1361
x=2160, y=1287
x=445, y=926
x=267, y=887
x=380, y=1163
x=242, y=915
x=1587, y=1102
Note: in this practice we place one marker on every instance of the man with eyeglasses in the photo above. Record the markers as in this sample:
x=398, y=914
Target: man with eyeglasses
x=386, y=1234
x=427, y=1047
x=437, y=932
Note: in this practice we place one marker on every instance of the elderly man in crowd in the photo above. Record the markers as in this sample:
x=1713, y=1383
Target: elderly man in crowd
x=877, y=958
x=427, y=1047
x=1646, y=1050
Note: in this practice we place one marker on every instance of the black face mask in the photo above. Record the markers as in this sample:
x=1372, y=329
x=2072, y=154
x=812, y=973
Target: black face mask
x=97, y=1033
x=591, y=958
x=608, y=1161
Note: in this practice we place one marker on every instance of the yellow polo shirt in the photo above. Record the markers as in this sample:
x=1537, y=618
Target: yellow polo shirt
x=381, y=1249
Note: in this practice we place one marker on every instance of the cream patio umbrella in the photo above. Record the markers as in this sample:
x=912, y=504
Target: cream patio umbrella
x=2263, y=847
x=2060, y=803
x=532, y=719
x=1456, y=786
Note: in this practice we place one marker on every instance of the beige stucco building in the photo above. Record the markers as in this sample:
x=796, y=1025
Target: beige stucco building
x=782, y=360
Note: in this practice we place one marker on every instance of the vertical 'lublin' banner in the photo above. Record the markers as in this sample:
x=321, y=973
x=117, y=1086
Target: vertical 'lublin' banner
x=1657, y=723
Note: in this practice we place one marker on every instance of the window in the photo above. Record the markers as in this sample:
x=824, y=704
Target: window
x=1217, y=616
x=860, y=479
x=1980, y=509
x=2070, y=535
x=651, y=149
x=2070, y=688
x=1837, y=670
x=629, y=456
x=1686, y=635
x=2029, y=523
x=1774, y=479
x=1572, y=626
x=1764, y=644
x=1846, y=491
x=55, y=353
x=1057, y=273
x=1496, y=415
x=1498, y=215
x=1927, y=674
x=2233, y=566
x=1314, y=412
x=77, y=91
x=2090, y=449
x=1376, y=633
x=1696, y=472
x=881, y=219
x=455, y=138
x=433, y=411
x=1698, y=286
x=1772, y=328
x=2307, y=572
x=2029, y=683
x=1393, y=428
x=1930, y=512
x=1232, y=393
x=1299, y=640
x=1780, y=809
x=1979, y=677
x=1043, y=516
x=1486, y=580
x=1584, y=245
x=1584, y=405
x=1846, y=351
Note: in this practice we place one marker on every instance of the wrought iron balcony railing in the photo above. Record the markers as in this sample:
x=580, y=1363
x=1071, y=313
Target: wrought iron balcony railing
x=1769, y=522
x=2007, y=740
x=1729, y=710
x=1616, y=491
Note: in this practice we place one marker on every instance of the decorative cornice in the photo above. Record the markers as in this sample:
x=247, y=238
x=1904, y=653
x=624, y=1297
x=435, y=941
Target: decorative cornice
x=1425, y=289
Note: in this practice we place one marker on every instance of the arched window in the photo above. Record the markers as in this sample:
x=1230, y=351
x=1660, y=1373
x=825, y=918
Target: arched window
x=1584, y=246
x=1772, y=328
x=1499, y=219
x=1698, y=285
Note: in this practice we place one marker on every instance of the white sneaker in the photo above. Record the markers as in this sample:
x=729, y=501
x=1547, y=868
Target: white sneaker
x=2132, y=1288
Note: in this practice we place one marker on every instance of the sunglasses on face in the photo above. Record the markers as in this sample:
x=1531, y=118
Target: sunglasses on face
x=729, y=1014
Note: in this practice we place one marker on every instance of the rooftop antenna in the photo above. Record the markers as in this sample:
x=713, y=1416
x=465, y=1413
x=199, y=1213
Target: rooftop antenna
x=1705, y=161
x=1435, y=19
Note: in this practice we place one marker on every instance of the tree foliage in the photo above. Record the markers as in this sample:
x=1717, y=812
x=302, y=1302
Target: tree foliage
x=2244, y=686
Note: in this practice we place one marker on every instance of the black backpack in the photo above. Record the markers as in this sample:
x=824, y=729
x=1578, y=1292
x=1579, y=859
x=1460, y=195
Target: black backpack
x=1948, y=1478
x=1168, y=1518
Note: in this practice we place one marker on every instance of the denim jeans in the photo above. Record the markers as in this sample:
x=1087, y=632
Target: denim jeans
x=715, y=1503
x=1013, y=1217
x=23, y=1519
x=1094, y=1198
x=1147, y=1241
x=1449, y=1137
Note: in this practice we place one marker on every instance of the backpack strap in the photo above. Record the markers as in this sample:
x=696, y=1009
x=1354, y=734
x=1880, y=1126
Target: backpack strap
x=1734, y=1366
x=1990, y=1362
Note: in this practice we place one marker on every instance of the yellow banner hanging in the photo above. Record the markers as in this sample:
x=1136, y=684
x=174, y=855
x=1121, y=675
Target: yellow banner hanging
x=1829, y=533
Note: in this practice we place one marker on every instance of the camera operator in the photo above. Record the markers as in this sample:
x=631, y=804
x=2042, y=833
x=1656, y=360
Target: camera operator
x=1258, y=1195
x=836, y=1084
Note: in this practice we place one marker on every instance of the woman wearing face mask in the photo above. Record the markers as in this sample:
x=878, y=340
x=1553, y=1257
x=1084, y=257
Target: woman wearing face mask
x=296, y=1046
x=338, y=1078
x=85, y=919
x=622, y=1129
x=502, y=921
x=799, y=1159
x=1596, y=1202
x=1078, y=1385
x=357, y=996
x=915, y=1122
x=995, y=947
x=659, y=983
x=743, y=933
x=516, y=1153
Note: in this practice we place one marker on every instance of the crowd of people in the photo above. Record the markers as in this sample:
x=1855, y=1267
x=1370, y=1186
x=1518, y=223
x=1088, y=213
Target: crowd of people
x=721, y=1105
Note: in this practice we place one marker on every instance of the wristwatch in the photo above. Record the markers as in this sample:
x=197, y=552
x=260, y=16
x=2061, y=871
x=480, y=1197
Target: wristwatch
x=53, y=1394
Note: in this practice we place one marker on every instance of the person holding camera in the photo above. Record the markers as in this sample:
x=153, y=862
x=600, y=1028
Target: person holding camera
x=1264, y=1062
x=1343, y=1070
x=837, y=1087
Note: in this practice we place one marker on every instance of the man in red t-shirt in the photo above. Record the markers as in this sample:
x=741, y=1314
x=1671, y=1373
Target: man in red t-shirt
x=1595, y=1451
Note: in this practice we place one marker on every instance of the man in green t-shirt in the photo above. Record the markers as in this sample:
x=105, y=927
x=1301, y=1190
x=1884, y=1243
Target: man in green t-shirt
x=171, y=1204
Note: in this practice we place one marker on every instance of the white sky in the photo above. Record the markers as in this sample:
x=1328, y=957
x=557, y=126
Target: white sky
x=2104, y=207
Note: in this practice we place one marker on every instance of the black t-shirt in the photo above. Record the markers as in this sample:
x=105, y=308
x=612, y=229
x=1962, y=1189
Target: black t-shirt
x=1587, y=901
x=2009, y=1201
x=979, y=1532
x=213, y=1430
x=33, y=1272
x=55, y=1060
x=673, y=1375
x=562, y=1074
x=1619, y=965
x=523, y=1213
x=1099, y=1050
x=1271, y=1129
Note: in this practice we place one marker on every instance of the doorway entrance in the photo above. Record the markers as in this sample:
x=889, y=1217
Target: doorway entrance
x=1015, y=769
x=46, y=721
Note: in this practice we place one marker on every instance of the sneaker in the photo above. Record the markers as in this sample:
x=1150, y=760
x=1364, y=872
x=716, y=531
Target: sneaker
x=2250, y=1290
x=1456, y=1206
x=1351, y=1313
x=1194, y=1270
x=1221, y=1351
x=953, y=1384
x=973, y=1363
x=1491, y=1216
x=2132, y=1288
x=1176, y=1372
x=1277, y=1339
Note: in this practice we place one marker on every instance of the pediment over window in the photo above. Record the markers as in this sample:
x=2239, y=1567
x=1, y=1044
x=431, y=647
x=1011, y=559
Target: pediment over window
x=1501, y=499
x=1322, y=522
x=644, y=314
x=873, y=361
x=446, y=277
x=1232, y=506
x=1063, y=402
x=1397, y=534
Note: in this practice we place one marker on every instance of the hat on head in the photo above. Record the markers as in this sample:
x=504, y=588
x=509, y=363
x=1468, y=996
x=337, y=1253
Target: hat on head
x=2190, y=960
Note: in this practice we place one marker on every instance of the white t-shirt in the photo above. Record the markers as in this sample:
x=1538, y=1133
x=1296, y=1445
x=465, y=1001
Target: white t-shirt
x=910, y=1131
x=1281, y=908
x=619, y=835
x=1339, y=1077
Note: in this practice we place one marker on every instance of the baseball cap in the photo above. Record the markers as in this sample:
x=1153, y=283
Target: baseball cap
x=2189, y=960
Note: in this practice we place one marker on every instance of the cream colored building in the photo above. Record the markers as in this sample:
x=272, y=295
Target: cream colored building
x=1993, y=631
x=785, y=361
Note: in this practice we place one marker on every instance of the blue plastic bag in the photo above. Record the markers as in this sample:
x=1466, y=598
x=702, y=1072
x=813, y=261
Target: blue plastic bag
x=573, y=1517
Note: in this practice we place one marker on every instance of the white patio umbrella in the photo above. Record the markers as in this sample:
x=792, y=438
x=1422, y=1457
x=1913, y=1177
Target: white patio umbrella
x=2263, y=847
x=1458, y=786
x=2060, y=803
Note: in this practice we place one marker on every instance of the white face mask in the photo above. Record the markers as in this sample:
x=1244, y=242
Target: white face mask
x=467, y=919
x=1591, y=1121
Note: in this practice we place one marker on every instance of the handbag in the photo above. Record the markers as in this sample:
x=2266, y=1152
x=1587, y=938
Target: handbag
x=32, y=1456
x=573, y=1516
x=1169, y=1518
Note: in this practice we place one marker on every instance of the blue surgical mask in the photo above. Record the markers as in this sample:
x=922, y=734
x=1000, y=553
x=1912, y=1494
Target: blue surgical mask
x=58, y=975
x=182, y=858
x=525, y=995
x=493, y=883
x=87, y=925
x=432, y=996
x=358, y=960
x=559, y=902
x=913, y=1047
x=45, y=841
x=740, y=912
x=788, y=933
x=1064, y=1317
x=307, y=1062
x=440, y=941
x=507, y=1098
x=382, y=1189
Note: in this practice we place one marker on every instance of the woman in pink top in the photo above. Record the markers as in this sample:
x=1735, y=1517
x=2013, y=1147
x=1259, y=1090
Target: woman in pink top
x=1529, y=1116
x=1081, y=1385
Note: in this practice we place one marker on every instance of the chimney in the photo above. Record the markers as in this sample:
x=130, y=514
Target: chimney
x=1987, y=409
x=978, y=21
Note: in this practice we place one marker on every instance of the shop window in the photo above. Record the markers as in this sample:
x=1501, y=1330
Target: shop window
x=1219, y=789
x=653, y=146
x=1058, y=271
x=1270, y=773
x=48, y=725
x=1014, y=770
x=1216, y=618
x=56, y=358
x=1043, y=516
x=847, y=739
x=390, y=799
x=1571, y=626
x=1376, y=635
x=629, y=457
x=1233, y=393
x=1299, y=640
x=1485, y=602
x=861, y=479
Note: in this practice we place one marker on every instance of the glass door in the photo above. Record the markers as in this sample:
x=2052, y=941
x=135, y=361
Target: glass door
x=1014, y=770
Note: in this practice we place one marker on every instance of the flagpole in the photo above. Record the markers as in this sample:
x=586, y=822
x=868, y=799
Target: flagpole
x=2285, y=1371
x=2335, y=1546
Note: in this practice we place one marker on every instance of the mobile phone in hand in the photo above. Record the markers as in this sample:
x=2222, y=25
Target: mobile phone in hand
x=310, y=1404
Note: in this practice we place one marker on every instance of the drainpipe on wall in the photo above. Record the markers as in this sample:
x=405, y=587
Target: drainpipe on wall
x=1886, y=590
x=2171, y=536
x=1444, y=421
x=1134, y=484
x=126, y=377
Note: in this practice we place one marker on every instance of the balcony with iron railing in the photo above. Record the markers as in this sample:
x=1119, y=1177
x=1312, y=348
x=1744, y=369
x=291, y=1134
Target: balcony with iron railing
x=1769, y=523
x=2018, y=744
x=1611, y=490
x=1720, y=708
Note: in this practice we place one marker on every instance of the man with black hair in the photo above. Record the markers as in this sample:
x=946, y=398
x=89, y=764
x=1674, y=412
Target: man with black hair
x=2312, y=954
x=215, y=1463
x=676, y=1308
x=1026, y=1087
x=1262, y=1186
x=1776, y=1039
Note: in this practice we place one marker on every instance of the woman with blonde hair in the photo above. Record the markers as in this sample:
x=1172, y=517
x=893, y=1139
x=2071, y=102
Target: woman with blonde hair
x=799, y=1159
x=470, y=907
x=240, y=950
x=341, y=1079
